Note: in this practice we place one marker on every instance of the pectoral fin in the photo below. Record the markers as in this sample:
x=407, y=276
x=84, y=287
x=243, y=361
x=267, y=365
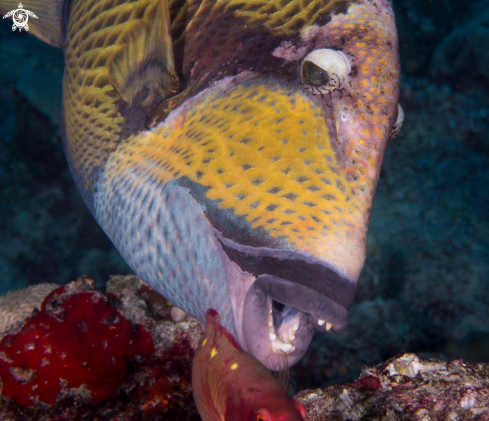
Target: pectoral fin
x=143, y=68
x=49, y=25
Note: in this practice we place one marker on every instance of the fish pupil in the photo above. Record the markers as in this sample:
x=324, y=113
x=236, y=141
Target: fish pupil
x=313, y=74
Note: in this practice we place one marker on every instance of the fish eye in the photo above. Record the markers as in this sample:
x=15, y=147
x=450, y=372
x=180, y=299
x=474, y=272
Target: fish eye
x=263, y=415
x=313, y=75
x=324, y=71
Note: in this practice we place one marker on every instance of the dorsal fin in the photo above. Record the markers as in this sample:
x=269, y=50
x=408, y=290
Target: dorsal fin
x=213, y=318
x=49, y=25
x=144, y=67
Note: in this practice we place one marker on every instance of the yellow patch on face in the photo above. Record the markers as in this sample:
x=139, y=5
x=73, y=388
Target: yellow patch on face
x=375, y=119
x=263, y=151
x=378, y=132
x=213, y=352
x=375, y=108
x=376, y=80
x=204, y=341
x=375, y=90
x=364, y=69
x=234, y=366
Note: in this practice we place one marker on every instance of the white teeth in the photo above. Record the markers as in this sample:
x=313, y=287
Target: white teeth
x=322, y=322
x=292, y=333
x=281, y=344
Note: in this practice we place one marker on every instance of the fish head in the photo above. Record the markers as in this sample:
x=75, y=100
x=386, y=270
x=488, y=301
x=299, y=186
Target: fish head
x=291, y=111
x=231, y=384
x=250, y=190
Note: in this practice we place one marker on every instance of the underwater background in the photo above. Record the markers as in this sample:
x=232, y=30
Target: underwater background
x=425, y=286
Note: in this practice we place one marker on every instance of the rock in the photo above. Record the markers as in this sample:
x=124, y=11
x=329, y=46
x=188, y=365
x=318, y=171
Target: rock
x=16, y=306
x=406, y=387
x=158, y=386
x=147, y=385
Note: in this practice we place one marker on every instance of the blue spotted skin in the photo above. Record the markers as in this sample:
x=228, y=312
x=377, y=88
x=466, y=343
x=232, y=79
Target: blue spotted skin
x=171, y=232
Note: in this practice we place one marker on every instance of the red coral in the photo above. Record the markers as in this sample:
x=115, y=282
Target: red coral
x=76, y=340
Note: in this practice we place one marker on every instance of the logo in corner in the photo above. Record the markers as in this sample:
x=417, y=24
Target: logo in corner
x=20, y=17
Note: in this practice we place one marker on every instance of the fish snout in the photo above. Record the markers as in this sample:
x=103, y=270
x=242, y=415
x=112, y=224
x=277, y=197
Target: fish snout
x=293, y=295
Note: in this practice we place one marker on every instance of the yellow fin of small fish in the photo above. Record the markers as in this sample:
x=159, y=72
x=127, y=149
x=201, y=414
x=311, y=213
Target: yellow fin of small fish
x=144, y=63
x=49, y=24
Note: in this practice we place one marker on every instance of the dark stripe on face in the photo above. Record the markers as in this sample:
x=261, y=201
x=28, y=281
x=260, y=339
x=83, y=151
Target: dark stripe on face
x=313, y=276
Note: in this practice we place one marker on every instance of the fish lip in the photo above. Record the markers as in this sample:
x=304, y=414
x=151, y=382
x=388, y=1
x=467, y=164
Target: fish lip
x=314, y=288
x=257, y=307
x=301, y=268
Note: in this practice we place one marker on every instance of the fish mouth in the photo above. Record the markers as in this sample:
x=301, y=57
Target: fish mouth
x=293, y=295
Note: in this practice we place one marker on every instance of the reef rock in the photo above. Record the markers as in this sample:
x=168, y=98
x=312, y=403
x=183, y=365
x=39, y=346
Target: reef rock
x=406, y=387
x=82, y=353
x=16, y=306
x=154, y=354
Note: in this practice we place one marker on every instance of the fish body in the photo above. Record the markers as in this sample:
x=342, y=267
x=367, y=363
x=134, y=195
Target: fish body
x=231, y=149
x=230, y=384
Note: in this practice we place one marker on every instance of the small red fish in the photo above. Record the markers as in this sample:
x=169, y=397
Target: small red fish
x=232, y=385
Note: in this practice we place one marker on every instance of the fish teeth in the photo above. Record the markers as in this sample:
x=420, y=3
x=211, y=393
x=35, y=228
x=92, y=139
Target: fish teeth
x=280, y=346
x=292, y=333
x=328, y=326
